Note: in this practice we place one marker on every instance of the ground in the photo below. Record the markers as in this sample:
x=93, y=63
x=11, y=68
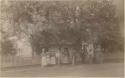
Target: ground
x=96, y=70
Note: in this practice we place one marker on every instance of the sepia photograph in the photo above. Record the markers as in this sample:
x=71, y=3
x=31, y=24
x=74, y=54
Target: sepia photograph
x=62, y=38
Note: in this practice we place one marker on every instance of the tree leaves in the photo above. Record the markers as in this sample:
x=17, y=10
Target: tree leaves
x=64, y=21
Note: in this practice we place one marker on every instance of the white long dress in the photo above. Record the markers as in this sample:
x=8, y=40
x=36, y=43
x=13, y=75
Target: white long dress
x=43, y=60
x=48, y=60
x=58, y=57
x=53, y=60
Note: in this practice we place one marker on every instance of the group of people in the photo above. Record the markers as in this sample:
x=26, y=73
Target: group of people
x=89, y=54
x=52, y=58
x=47, y=59
x=92, y=53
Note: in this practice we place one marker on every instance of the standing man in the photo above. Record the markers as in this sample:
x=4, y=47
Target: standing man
x=98, y=54
x=84, y=51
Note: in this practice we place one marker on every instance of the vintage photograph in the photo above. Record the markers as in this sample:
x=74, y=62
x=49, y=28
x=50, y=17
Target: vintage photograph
x=62, y=38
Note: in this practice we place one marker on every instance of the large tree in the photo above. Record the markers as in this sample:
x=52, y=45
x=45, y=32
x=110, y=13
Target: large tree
x=45, y=22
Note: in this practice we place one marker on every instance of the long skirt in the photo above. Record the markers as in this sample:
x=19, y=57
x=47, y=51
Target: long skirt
x=58, y=60
x=48, y=59
x=53, y=60
x=43, y=61
x=65, y=59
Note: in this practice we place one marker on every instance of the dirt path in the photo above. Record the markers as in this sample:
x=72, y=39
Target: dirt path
x=103, y=70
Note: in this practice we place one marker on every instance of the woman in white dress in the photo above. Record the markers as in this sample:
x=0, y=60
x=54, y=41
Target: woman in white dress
x=53, y=59
x=43, y=58
x=58, y=57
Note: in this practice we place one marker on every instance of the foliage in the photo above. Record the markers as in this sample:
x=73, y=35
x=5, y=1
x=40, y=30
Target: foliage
x=7, y=46
x=57, y=21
